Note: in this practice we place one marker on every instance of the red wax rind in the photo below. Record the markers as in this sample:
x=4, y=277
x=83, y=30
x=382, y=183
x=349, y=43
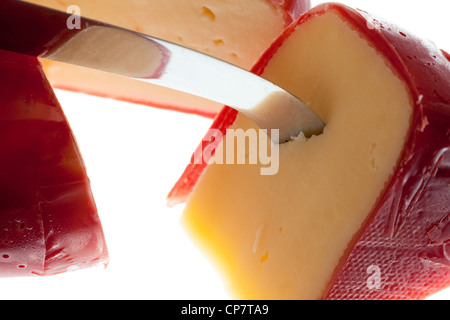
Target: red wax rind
x=48, y=218
x=405, y=241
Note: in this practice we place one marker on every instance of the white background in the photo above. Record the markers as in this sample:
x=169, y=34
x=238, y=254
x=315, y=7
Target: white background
x=134, y=154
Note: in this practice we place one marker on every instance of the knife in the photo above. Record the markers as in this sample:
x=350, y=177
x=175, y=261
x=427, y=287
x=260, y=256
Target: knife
x=43, y=32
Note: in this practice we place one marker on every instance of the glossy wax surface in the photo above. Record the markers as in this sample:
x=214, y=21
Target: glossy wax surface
x=48, y=218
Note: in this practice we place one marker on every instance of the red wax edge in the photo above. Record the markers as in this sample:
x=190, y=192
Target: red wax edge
x=403, y=249
x=292, y=9
x=48, y=218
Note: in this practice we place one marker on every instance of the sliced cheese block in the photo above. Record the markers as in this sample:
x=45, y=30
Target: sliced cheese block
x=48, y=218
x=235, y=31
x=359, y=212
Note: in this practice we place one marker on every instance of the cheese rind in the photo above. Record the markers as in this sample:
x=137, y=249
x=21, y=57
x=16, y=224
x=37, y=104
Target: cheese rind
x=48, y=217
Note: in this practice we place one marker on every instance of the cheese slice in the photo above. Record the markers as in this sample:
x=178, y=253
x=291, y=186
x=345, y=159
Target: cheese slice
x=235, y=31
x=281, y=236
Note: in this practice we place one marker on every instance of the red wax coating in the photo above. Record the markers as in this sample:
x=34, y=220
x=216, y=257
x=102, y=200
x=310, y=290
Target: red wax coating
x=48, y=218
x=403, y=249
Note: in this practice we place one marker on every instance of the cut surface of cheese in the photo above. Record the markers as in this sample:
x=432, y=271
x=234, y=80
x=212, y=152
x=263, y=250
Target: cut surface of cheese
x=282, y=236
x=235, y=31
x=48, y=217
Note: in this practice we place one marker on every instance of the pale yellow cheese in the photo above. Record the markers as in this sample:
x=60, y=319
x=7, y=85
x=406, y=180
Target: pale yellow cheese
x=281, y=236
x=235, y=31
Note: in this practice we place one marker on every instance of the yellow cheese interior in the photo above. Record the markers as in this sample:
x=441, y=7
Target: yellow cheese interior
x=235, y=31
x=281, y=236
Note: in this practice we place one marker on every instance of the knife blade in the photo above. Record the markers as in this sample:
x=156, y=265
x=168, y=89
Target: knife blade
x=43, y=32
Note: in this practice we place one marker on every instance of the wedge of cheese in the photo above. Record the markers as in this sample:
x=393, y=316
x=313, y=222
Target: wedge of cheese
x=235, y=31
x=48, y=218
x=358, y=212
